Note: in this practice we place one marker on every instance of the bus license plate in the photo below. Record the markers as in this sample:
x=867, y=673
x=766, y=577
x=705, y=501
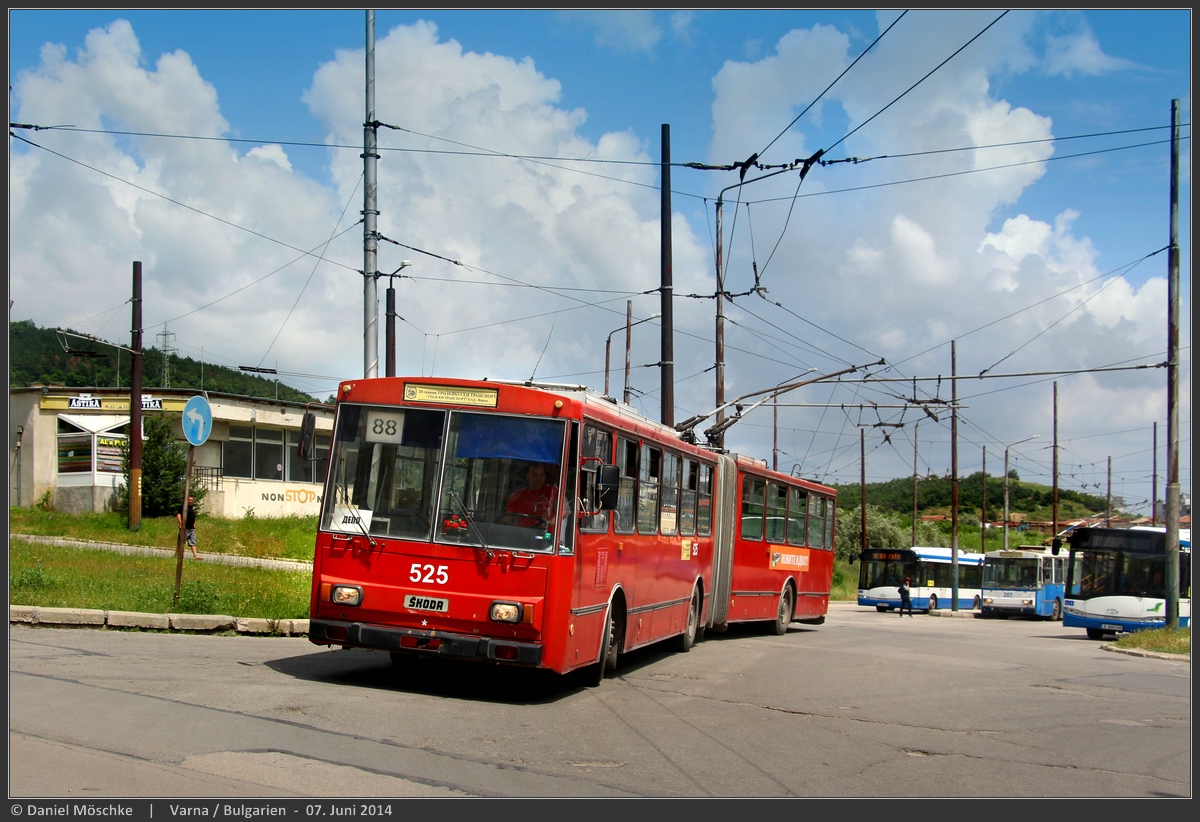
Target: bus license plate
x=416, y=602
x=1107, y=627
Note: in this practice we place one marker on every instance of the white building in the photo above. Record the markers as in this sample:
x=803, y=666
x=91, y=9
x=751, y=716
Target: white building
x=66, y=443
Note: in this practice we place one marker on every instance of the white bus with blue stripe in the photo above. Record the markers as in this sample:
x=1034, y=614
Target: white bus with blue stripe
x=1115, y=580
x=932, y=573
x=1024, y=582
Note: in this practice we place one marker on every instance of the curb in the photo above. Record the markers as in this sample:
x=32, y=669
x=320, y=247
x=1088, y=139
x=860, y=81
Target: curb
x=960, y=614
x=297, y=565
x=1147, y=654
x=174, y=623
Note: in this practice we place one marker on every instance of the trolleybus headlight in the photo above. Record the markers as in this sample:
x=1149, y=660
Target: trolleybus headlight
x=346, y=595
x=506, y=612
x=987, y=600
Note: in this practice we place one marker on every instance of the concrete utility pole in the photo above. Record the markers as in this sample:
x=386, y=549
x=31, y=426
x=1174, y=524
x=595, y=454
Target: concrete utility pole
x=135, y=406
x=1054, y=472
x=370, y=216
x=667, y=358
x=953, y=478
x=1172, y=575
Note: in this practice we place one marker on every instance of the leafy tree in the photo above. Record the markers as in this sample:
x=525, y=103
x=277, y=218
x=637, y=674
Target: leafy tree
x=164, y=466
x=884, y=530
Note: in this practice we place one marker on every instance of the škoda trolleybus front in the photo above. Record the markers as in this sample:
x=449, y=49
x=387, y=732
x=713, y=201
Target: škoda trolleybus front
x=419, y=550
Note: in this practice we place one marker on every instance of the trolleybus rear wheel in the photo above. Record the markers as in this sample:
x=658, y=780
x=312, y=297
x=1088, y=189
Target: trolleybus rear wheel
x=787, y=608
x=1056, y=615
x=688, y=638
x=932, y=603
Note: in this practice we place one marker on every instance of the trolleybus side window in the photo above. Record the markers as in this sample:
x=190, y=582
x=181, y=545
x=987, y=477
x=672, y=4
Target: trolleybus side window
x=797, y=516
x=649, y=478
x=776, y=512
x=627, y=463
x=816, y=521
x=687, y=502
x=704, y=501
x=668, y=518
x=597, y=443
x=754, y=492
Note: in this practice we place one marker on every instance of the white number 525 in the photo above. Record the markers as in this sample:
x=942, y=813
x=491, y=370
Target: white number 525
x=429, y=573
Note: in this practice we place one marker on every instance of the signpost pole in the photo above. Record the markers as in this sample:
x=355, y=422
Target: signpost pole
x=187, y=490
x=197, y=425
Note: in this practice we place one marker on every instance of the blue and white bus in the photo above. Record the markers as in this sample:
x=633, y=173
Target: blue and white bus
x=1023, y=582
x=1115, y=580
x=931, y=571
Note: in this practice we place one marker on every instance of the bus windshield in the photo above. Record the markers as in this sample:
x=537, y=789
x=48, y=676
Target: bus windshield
x=1011, y=572
x=418, y=473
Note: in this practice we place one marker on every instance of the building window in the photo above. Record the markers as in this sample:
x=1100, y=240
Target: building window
x=237, y=453
x=268, y=453
x=74, y=449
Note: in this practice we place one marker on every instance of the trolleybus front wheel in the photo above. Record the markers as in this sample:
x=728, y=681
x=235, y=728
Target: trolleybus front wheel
x=609, y=651
x=787, y=608
x=1056, y=615
x=1095, y=633
x=932, y=603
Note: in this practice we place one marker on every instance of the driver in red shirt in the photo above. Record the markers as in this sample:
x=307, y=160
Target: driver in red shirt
x=533, y=506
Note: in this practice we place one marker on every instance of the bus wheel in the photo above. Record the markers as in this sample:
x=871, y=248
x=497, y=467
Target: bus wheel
x=932, y=603
x=975, y=605
x=608, y=651
x=1095, y=633
x=786, y=608
x=688, y=638
x=1057, y=613
x=883, y=609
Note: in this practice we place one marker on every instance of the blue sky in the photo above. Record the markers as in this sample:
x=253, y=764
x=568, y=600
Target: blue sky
x=967, y=217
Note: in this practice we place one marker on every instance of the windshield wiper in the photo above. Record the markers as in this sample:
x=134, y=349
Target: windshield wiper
x=471, y=527
x=344, y=487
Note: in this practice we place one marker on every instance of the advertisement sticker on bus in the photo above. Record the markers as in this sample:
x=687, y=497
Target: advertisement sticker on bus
x=790, y=560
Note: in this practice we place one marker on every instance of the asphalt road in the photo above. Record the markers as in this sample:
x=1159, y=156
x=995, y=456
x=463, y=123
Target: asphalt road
x=866, y=705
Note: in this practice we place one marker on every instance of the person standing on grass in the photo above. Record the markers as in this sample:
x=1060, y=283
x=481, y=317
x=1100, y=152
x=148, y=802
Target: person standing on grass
x=905, y=598
x=189, y=527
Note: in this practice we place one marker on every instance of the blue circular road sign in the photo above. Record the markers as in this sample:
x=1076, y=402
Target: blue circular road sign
x=197, y=420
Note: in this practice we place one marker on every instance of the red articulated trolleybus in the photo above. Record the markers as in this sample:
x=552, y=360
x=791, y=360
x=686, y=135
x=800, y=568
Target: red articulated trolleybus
x=639, y=535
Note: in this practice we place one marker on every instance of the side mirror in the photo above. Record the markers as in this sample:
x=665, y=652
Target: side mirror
x=308, y=429
x=1056, y=546
x=853, y=558
x=610, y=479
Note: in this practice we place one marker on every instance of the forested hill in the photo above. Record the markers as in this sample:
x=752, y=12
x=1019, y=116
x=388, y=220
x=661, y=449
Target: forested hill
x=933, y=494
x=36, y=356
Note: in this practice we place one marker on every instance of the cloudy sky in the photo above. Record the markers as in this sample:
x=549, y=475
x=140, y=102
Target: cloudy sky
x=981, y=193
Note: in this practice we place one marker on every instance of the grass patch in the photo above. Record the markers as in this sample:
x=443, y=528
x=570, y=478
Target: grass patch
x=291, y=537
x=1163, y=640
x=55, y=577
